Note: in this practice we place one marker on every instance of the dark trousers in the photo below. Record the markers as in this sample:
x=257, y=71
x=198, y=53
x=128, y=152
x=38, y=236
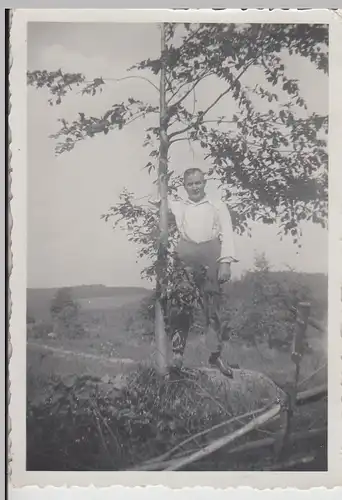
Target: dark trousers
x=195, y=284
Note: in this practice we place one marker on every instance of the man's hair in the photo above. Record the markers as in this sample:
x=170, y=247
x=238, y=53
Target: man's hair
x=190, y=171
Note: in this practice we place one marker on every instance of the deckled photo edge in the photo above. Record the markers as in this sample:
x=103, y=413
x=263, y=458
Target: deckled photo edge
x=9, y=263
x=17, y=257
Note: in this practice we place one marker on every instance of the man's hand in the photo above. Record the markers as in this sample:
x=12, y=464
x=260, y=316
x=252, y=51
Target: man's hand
x=225, y=272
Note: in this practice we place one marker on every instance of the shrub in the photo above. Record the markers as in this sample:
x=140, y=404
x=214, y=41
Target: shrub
x=65, y=313
x=141, y=318
x=260, y=306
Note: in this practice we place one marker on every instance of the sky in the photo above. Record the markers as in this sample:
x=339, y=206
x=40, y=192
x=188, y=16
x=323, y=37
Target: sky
x=68, y=243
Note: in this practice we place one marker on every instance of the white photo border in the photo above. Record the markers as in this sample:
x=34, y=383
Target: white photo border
x=17, y=331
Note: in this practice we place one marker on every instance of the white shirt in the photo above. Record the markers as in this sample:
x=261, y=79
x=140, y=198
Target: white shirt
x=204, y=221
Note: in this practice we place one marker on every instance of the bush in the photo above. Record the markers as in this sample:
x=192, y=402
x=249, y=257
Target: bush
x=262, y=312
x=65, y=313
x=141, y=318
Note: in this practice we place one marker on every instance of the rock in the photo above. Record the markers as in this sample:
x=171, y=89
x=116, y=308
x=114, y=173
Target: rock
x=254, y=387
x=246, y=392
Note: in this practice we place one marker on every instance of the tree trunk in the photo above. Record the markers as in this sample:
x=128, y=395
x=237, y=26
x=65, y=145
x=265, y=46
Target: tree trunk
x=161, y=340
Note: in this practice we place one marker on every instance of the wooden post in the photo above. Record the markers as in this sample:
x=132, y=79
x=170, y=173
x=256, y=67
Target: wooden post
x=302, y=318
x=161, y=341
x=303, y=313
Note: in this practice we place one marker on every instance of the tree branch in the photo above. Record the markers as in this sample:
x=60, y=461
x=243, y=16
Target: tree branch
x=135, y=77
x=225, y=92
x=218, y=122
x=166, y=455
x=136, y=117
x=179, y=139
x=199, y=79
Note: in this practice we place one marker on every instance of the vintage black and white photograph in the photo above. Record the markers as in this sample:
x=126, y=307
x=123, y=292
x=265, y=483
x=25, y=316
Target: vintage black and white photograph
x=177, y=246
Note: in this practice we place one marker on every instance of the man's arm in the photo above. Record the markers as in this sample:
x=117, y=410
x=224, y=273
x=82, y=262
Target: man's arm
x=227, y=235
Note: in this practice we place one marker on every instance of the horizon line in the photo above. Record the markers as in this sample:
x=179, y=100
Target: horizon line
x=326, y=274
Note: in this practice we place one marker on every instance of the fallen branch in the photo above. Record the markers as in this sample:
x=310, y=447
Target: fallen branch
x=155, y=462
x=223, y=441
x=319, y=369
x=263, y=443
x=244, y=448
x=311, y=395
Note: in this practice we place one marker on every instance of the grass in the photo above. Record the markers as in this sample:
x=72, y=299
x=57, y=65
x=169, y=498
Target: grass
x=83, y=423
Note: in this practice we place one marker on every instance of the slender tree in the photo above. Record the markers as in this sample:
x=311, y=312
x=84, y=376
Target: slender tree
x=272, y=163
x=163, y=214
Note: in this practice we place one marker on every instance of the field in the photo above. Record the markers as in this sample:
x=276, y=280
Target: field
x=117, y=341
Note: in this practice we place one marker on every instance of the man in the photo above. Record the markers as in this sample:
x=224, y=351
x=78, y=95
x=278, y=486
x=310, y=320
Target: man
x=203, y=258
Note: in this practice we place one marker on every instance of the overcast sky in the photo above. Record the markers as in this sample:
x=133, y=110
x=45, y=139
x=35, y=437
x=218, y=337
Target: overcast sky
x=68, y=243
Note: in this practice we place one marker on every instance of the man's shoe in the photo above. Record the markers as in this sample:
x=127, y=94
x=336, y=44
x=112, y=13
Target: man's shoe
x=217, y=362
x=177, y=362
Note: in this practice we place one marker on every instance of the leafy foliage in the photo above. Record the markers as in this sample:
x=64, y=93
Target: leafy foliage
x=141, y=223
x=57, y=82
x=83, y=423
x=264, y=314
x=273, y=165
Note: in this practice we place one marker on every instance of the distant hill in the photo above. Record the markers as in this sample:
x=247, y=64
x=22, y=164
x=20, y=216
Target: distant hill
x=39, y=299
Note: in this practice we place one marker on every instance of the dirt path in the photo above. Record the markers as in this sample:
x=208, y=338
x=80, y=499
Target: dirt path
x=67, y=353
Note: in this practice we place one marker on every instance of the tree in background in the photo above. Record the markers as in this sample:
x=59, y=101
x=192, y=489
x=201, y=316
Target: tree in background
x=272, y=164
x=260, y=305
x=65, y=314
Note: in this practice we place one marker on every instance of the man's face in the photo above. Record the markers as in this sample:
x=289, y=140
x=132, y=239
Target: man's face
x=194, y=185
